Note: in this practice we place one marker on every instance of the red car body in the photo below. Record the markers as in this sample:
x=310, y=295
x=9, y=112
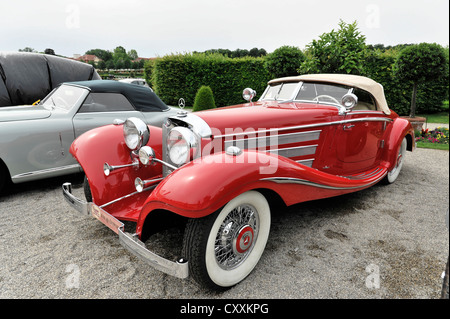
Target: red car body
x=290, y=149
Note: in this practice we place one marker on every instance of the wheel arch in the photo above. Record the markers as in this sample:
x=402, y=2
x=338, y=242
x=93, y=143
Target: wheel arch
x=163, y=219
x=410, y=142
x=4, y=170
x=159, y=220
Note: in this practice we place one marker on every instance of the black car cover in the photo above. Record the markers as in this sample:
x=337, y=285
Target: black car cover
x=28, y=77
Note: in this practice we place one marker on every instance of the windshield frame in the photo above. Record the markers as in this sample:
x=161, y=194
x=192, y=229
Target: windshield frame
x=291, y=98
x=295, y=93
x=49, y=103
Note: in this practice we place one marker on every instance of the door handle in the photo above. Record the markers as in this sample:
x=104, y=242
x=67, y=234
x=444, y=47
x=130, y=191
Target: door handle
x=348, y=127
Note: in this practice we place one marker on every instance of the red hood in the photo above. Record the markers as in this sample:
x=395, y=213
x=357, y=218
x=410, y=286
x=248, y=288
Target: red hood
x=265, y=115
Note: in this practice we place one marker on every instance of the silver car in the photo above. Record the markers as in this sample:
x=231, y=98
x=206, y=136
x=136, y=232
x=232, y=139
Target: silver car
x=35, y=140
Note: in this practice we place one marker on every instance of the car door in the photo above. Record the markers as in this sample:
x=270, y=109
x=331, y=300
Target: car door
x=102, y=109
x=360, y=136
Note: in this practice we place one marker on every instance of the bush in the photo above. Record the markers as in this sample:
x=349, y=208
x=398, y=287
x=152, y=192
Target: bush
x=284, y=61
x=204, y=99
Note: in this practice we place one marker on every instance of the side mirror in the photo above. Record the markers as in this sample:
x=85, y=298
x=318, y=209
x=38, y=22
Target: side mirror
x=248, y=94
x=349, y=101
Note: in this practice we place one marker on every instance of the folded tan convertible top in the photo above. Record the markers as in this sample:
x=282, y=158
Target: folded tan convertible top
x=361, y=82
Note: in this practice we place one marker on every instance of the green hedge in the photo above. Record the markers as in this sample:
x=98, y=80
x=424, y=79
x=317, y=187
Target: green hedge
x=181, y=75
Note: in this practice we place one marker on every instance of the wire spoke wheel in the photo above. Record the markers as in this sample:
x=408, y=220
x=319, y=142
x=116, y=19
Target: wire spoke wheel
x=224, y=248
x=236, y=236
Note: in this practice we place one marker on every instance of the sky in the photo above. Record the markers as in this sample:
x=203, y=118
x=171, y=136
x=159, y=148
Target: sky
x=157, y=28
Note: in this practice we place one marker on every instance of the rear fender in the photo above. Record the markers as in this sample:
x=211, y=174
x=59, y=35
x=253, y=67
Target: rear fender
x=400, y=129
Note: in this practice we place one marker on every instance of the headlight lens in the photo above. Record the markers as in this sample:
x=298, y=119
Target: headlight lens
x=182, y=145
x=135, y=133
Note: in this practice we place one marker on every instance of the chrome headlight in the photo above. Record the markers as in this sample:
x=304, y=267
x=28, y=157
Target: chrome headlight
x=146, y=155
x=182, y=145
x=135, y=133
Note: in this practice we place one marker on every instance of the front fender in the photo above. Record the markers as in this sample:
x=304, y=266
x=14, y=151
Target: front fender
x=208, y=183
x=106, y=144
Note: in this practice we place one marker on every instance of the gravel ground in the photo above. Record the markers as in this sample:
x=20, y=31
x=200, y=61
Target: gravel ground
x=383, y=242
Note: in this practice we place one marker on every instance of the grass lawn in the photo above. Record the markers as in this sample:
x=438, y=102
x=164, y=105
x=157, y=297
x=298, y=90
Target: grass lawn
x=433, y=146
x=441, y=117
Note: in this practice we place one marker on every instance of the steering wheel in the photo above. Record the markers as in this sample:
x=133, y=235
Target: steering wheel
x=326, y=97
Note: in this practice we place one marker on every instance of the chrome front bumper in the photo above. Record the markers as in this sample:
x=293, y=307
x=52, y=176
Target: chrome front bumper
x=131, y=242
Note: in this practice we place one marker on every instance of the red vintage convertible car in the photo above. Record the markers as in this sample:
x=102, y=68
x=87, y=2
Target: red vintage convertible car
x=308, y=137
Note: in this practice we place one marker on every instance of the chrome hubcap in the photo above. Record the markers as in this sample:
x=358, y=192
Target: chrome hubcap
x=236, y=237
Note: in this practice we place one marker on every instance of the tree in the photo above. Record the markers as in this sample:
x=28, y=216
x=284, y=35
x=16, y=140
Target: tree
x=420, y=63
x=340, y=51
x=255, y=52
x=101, y=54
x=49, y=51
x=133, y=54
x=101, y=65
x=28, y=49
x=121, y=58
x=284, y=61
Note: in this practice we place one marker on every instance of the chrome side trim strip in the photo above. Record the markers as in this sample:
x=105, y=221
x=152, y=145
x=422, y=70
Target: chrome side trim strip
x=271, y=140
x=45, y=171
x=365, y=175
x=366, y=119
x=296, y=151
x=290, y=180
x=307, y=162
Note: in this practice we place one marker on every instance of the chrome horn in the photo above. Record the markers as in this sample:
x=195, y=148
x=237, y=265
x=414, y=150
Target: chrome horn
x=107, y=169
x=140, y=184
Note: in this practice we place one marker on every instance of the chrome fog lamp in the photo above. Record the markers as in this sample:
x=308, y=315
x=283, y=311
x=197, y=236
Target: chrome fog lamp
x=349, y=101
x=135, y=133
x=182, y=144
x=146, y=155
x=248, y=94
x=139, y=184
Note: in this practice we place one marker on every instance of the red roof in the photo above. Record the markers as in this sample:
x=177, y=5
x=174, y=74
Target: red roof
x=88, y=57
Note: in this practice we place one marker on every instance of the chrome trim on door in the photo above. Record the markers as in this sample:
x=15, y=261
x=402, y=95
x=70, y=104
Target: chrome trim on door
x=44, y=171
x=364, y=119
x=274, y=140
x=307, y=162
x=296, y=151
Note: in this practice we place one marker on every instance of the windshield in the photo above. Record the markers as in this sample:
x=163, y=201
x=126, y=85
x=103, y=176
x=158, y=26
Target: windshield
x=64, y=98
x=319, y=92
x=308, y=92
x=280, y=92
